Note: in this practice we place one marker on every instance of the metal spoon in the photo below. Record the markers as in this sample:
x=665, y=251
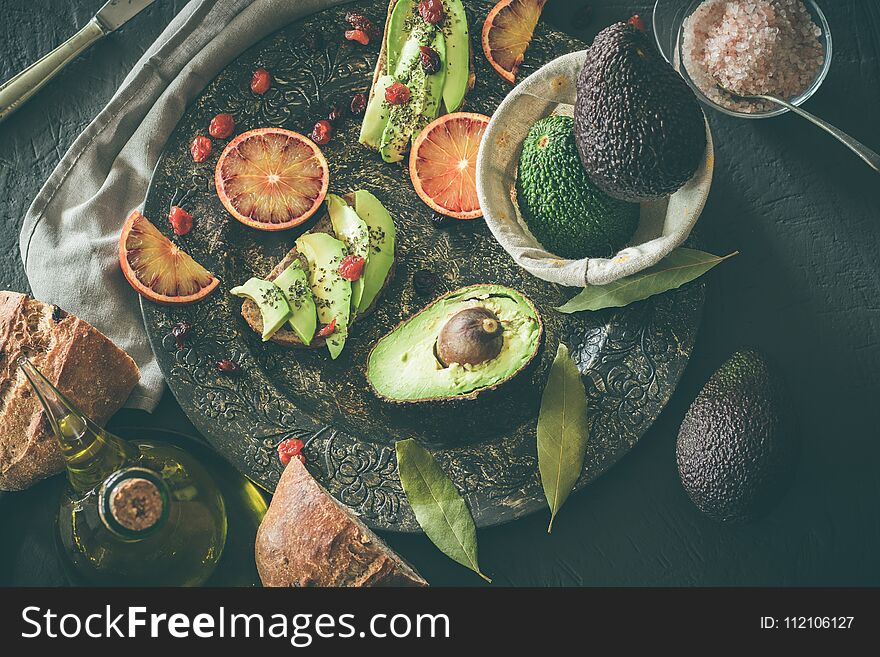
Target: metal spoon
x=870, y=157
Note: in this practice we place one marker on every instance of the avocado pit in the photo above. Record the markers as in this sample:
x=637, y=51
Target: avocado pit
x=469, y=337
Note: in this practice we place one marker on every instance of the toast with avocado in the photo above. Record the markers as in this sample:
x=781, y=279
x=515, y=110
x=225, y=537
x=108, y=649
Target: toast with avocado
x=433, y=60
x=305, y=301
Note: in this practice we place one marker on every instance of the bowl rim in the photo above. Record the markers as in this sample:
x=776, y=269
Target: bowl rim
x=818, y=15
x=546, y=265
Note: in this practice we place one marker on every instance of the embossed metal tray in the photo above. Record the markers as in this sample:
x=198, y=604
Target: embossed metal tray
x=631, y=358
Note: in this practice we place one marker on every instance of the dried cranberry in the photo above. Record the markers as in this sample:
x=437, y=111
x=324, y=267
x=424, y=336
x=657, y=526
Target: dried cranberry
x=200, y=148
x=289, y=449
x=432, y=11
x=336, y=113
x=360, y=22
x=181, y=331
x=228, y=366
x=583, y=17
x=327, y=329
x=397, y=94
x=358, y=103
x=430, y=60
x=222, y=126
x=181, y=220
x=440, y=220
x=352, y=267
x=322, y=132
x=261, y=81
x=637, y=22
x=425, y=282
x=358, y=35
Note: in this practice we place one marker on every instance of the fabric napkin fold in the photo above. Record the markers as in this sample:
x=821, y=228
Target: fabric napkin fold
x=70, y=233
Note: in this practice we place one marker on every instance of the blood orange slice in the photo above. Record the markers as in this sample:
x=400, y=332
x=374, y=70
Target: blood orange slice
x=443, y=164
x=271, y=178
x=507, y=32
x=157, y=268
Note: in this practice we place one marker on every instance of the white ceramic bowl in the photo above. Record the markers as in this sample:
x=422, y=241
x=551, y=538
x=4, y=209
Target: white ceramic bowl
x=663, y=224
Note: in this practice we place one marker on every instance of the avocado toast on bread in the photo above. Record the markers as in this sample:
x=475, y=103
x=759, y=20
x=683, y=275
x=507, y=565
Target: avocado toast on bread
x=407, y=41
x=375, y=278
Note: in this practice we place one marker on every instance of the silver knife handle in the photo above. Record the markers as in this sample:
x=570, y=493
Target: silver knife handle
x=15, y=91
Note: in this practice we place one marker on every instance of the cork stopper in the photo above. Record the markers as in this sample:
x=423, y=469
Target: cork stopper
x=136, y=504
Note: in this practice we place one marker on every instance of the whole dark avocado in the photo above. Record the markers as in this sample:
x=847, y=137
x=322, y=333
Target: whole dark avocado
x=640, y=131
x=736, y=444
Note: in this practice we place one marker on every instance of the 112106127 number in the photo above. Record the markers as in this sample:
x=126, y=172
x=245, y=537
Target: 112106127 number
x=817, y=622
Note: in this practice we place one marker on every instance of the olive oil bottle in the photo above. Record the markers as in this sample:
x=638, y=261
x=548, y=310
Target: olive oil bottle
x=135, y=513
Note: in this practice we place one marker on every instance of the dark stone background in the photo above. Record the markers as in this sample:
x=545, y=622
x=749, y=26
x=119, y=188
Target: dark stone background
x=803, y=211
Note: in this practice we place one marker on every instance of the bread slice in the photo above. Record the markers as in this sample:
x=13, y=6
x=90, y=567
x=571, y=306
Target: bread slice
x=251, y=312
x=308, y=539
x=95, y=374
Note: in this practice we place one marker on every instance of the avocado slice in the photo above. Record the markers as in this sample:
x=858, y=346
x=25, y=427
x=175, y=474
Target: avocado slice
x=405, y=121
x=376, y=114
x=332, y=292
x=736, y=444
x=269, y=299
x=461, y=344
x=294, y=285
x=382, y=240
x=457, y=55
x=353, y=232
x=404, y=15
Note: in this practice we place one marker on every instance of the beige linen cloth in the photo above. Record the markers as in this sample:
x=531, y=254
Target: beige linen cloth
x=69, y=238
x=663, y=225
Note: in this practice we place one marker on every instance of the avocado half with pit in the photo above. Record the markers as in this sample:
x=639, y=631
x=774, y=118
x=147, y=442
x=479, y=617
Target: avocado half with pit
x=461, y=344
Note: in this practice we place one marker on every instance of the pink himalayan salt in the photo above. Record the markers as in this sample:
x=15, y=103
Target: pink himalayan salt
x=752, y=47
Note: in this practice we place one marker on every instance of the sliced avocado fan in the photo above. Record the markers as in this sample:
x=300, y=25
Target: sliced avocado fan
x=406, y=120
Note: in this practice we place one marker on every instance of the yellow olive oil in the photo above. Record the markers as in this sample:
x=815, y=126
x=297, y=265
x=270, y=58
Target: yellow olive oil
x=135, y=513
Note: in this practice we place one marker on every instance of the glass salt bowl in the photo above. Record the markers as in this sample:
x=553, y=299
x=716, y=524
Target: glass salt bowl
x=668, y=20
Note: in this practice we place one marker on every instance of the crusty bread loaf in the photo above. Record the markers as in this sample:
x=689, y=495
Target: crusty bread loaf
x=308, y=539
x=251, y=312
x=85, y=365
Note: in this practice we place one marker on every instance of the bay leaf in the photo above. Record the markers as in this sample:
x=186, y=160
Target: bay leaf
x=562, y=431
x=440, y=509
x=679, y=267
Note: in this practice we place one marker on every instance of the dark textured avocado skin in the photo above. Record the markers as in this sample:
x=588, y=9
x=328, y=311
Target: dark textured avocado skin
x=563, y=209
x=736, y=446
x=640, y=131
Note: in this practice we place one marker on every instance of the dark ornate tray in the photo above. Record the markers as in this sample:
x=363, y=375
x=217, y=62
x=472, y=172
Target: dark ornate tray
x=631, y=358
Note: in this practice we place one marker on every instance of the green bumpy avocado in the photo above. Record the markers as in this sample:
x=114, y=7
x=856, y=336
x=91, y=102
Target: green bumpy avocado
x=640, y=131
x=736, y=442
x=565, y=212
x=486, y=335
